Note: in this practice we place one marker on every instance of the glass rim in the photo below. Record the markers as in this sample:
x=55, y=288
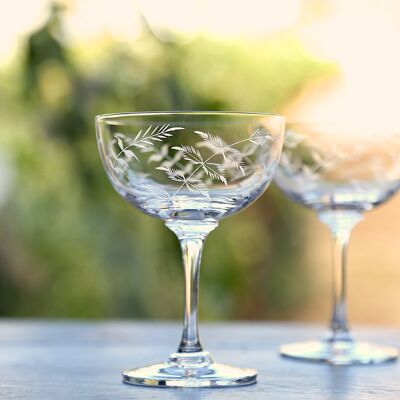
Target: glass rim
x=115, y=116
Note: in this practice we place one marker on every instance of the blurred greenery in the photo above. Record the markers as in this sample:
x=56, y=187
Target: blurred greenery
x=70, y=246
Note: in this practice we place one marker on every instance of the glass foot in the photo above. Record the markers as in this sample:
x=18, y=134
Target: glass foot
x=339, y=352
x=190, y=370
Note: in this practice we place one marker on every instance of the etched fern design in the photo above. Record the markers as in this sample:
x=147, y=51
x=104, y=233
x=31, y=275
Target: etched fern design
x=232, y=158
x=194, y=185
x=144, y=140
x=188, y=165
x=260, y=137
x=310, y=169
x=194, y=157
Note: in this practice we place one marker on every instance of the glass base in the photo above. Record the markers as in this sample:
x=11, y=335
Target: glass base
x=190, y=370
x=339, y=352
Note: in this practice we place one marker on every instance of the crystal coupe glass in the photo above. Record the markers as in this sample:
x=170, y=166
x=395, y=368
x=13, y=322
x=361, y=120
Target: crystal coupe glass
x=190, y=169
x=340, y=174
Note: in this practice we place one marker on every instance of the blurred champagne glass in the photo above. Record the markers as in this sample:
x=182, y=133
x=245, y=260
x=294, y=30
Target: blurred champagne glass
x=340, y=174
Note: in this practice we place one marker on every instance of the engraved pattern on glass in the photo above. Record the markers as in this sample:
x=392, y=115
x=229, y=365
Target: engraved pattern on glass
x=190, y=169
x=186, y=164
x=340, y=175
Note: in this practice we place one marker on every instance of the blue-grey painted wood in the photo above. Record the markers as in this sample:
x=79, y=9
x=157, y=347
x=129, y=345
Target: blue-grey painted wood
x=82, y=360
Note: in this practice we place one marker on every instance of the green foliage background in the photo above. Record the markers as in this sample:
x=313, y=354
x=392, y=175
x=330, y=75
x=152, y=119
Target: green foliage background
x=70, y=246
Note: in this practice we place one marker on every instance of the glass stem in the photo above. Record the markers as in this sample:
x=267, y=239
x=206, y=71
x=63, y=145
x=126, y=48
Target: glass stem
x=191, y=251
x=191, y=235
x=340, y=223
x=339, y=324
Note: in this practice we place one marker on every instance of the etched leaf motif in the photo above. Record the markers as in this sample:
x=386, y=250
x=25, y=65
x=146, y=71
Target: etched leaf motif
x=157, y=190
x=188, y=168
x=213, y=142
x=144, y=141
x=122, y=163
x=157, y=157
x=130, y=154
x=158, y=154
x=120, y=144
x=192, y=184
x=174, y=174
x=232, y=158
x=260, y=136
x=247, y=170
x=305, y=171
x=194, y=156
x=193, y=168
x=190, y=154
x=112, y=153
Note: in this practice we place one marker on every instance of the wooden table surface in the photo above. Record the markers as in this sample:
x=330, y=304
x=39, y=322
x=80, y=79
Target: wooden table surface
x=82, y=360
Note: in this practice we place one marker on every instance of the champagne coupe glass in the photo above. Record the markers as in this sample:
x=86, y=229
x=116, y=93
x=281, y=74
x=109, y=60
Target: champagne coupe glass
x=190, y=169
x=340, y=174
